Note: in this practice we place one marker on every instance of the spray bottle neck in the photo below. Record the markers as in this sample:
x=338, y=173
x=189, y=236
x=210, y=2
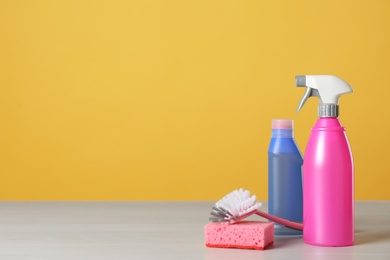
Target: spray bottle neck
x=328, y=110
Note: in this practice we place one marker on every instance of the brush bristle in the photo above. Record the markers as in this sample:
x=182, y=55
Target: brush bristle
x=234, y=205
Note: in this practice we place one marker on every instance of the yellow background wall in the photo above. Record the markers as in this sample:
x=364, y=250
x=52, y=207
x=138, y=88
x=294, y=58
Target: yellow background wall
x=173, y=100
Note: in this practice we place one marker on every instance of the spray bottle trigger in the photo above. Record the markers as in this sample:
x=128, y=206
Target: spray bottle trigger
x=310, y=92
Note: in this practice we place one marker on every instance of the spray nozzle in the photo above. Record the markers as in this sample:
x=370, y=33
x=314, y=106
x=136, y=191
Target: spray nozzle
x=327, y=88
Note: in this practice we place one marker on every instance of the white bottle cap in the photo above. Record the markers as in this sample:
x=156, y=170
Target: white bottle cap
x=282, y=124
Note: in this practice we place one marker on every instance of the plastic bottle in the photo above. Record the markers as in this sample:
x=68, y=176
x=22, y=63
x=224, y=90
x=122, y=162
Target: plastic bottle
x=328, y=200
x=284, y=176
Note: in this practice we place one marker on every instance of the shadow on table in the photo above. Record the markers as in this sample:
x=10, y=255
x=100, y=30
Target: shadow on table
x=285, y=241
x=361, y=237
x=368, y=236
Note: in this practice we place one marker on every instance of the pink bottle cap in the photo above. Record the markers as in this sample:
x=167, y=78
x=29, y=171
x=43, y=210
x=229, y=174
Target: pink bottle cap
x=282, y=124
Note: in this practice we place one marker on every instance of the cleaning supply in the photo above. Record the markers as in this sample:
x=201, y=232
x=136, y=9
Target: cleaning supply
x=245, y=235
x=284, y=176
x=328, y=200
x=238, y=205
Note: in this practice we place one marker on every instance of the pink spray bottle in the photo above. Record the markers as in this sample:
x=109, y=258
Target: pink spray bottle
x=328, y=193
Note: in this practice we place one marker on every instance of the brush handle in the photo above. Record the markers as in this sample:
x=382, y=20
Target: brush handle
x=284, y=222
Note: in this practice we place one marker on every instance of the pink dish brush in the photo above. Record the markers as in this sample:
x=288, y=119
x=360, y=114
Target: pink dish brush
x=239, y=205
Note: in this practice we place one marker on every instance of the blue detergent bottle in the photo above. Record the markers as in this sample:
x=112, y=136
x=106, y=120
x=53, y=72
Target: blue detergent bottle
x=285, y=161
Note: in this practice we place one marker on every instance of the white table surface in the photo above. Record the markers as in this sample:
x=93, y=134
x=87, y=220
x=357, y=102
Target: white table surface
x=160, y=230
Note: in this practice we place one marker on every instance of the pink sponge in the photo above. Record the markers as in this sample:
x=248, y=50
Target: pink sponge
x=246, y=234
